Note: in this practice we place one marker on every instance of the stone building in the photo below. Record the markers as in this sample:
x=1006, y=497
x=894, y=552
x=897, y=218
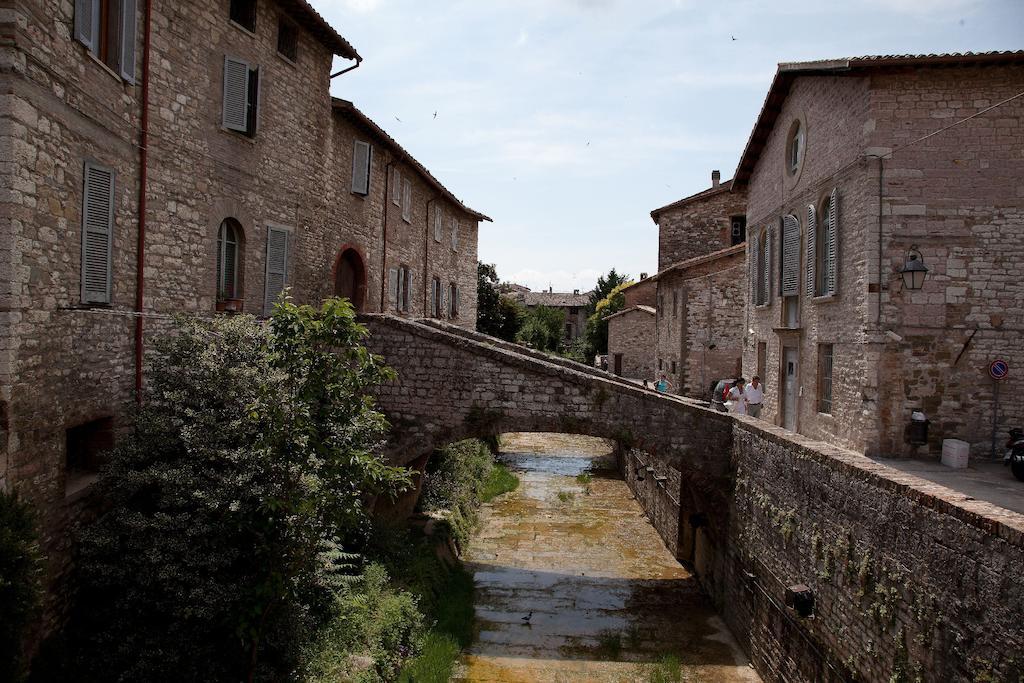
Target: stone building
x=573, y=304
x=187, y=161
x=698, y=293
x=855, y=168
x=631, y=331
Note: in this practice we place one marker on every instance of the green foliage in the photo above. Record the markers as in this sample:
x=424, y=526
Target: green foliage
x=19, y=580
x=668, y=669
x=543, y=328
x=499, y=480
x=579, y=350
x=496, y=315
x=604, y=287
x=566, y=496
x=597, y=322
x=452, y=631
x=249, y=464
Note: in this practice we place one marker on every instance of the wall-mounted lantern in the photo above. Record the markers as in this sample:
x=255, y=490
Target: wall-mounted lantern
x=914, y=270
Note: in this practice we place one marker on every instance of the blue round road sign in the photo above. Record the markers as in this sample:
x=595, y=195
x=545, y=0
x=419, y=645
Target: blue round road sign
x=999, y=369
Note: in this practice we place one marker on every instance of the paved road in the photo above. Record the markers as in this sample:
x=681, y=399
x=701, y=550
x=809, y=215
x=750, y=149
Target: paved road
x=607, y=599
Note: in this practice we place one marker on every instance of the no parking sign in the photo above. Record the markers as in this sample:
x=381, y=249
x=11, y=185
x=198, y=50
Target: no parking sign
x=999, y=369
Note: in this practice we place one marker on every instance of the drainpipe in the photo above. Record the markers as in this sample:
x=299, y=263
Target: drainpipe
x=359, y=60
x=881, y=175
x=384, y=241
x=140, y=261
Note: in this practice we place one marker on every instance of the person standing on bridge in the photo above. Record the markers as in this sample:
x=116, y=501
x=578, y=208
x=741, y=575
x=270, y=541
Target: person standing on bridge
x=737, y=403
x=662, y=385
x=754, y=396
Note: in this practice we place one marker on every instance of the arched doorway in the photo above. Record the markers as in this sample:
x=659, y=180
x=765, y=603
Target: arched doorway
x=350, y=277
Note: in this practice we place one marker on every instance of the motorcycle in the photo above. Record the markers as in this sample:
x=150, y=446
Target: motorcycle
x=1015, y=452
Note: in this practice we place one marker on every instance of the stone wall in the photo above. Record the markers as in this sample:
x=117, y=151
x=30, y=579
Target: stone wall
x=697, y=225
x=630, y=333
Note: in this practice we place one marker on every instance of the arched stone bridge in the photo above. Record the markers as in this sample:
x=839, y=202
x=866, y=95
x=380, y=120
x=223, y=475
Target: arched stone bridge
x=455, y=384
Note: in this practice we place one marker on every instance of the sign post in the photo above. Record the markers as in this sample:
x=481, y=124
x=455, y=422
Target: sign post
x=998, y=370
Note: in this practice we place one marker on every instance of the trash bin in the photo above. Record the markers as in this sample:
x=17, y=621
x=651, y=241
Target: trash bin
x=917, y=430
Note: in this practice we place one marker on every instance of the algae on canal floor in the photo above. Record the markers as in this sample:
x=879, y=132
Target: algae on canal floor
x=574, y=584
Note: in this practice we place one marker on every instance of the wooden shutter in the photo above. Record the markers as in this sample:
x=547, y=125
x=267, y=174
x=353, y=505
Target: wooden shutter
x=444, y=301
x=832, y=272
x=458, y=301
x=97, y=233
x=128, y=27
x=409, y=290
x=236, y=95
x=277, y=267
x=407, y=200
x=361, y=155
x=87, y=19
x=812, y=236
x=766, y=275
x=790, y=256
x=393, y=287
x=396, y=188
x=455, y=234
x=438, y=223
x=433, y=298
x=752, y=268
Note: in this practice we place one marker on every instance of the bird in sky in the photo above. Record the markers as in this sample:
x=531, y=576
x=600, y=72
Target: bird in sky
x=435, y=114
x=733, y=37
x=398, y=119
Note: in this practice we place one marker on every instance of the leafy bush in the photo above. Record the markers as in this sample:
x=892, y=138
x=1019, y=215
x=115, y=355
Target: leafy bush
x=19, y=580
x=246, y=469
x=543, y=328
x=499, y=480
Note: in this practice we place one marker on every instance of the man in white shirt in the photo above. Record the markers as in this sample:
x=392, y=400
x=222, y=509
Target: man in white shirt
x=754, y=394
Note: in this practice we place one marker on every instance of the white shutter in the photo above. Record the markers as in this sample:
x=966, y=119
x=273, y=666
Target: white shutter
x=128, y=27
x=361, y=155
x=438, y=223
x=790, y=256
x=832, y=276
x=236, y=94
x=396, y=188
x=97, y=233
x=455, y=234
x=407, y=200
x=766, y=276
x=277, y=267
x=87, y=22
x=812, y=236
x=393, y=287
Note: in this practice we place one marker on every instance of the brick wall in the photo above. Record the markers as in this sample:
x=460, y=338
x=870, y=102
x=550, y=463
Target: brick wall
x=630, y=333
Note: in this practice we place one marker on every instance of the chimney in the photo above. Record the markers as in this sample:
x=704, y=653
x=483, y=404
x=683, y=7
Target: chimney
x=716, y=177
x=576, y=292
x=643, y=276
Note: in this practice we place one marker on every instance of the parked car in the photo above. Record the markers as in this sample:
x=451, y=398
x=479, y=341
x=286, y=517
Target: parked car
x=718, y=390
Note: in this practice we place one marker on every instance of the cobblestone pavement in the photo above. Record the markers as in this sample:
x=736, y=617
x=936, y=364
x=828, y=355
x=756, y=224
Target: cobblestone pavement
x=608, y=601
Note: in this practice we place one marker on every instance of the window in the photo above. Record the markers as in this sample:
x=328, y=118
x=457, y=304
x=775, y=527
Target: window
x=574, y=310
x=243, y=13
x=85, y=445
x=795, y=143
x=107, y=28
x=453, y=301
x=400, y=288
x=97, y=233
x=825, y=378
x=738, y=234
x=396, y=188
x=436, y=298
x=438, y=223
x=822, y=248
x=568, y=331
x=277, y=266
x=455, y=234
x=762, y=359
x=287, y=39
x=229, y=239
x=673, y=367
x=675, y=305
x=660, y=364
x=241, y=96
x=362, y=158
x=661, y=303
x=407, y=201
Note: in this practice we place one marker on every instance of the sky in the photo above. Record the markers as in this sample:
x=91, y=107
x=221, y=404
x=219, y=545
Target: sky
x=568, y=121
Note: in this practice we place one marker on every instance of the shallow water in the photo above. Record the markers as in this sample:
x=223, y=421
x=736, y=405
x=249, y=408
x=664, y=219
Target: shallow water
x=604, y=597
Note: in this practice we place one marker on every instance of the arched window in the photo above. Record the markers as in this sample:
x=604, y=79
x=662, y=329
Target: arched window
x=229, y=251
x=795, y=147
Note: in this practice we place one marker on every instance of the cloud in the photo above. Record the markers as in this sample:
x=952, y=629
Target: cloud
x=560, y=280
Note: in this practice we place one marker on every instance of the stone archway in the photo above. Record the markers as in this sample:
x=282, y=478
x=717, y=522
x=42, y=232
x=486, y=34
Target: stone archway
x=350, y=277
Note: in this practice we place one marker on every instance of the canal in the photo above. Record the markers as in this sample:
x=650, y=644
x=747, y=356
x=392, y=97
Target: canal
x=574, y=584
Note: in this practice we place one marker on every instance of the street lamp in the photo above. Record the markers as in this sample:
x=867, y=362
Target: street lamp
x=914, y=270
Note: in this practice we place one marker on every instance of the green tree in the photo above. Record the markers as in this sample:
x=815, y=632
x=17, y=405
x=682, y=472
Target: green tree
x=604, y=287
x=496, y=315
x=247, y=467
x=19, y=581
x=543, y=328
x=597, y=322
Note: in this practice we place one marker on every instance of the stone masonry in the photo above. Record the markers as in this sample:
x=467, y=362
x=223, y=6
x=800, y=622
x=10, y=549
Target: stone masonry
x=630, y=352
x=955, y=195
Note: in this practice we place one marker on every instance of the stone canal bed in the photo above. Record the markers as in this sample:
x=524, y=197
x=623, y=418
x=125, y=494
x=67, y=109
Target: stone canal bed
x=608, y=601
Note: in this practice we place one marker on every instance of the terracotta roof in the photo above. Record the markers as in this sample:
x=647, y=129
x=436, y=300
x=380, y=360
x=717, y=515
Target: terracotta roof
x=789, y=71
x=318, y=26
x=349, y=109
x=638, y=307
x=698, y=260
x=555, y=299
x=703, y=194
